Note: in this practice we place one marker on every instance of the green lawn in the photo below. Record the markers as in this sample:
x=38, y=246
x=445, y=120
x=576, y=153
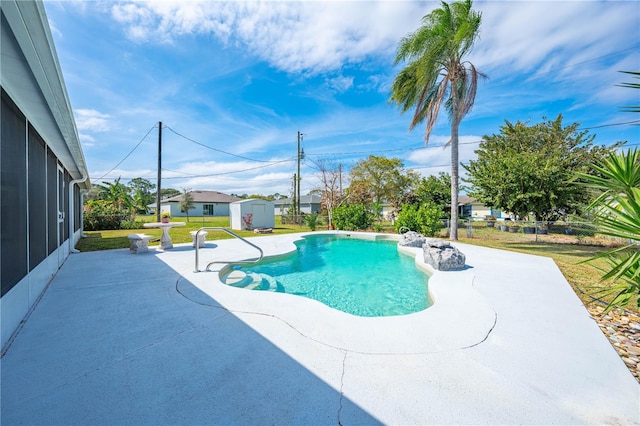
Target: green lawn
x=567, y=253
x=107, y=240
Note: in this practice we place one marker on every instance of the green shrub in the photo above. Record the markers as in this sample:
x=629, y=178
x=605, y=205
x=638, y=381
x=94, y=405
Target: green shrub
x=131, y=224
x=312, y=221
x=96, y=222
x=352, y=217
x=424, y=218
x=102, y=215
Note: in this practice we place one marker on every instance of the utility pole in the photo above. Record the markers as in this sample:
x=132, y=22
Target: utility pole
x=340, y=177
x=294, y=203
x=300, y=157
x=159, y=171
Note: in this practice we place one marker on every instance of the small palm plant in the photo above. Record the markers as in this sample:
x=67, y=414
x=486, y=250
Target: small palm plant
x=617, y=212
x=312, y=221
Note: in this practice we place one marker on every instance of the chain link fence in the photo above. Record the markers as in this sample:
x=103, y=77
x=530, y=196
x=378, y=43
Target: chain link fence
x=563, y=232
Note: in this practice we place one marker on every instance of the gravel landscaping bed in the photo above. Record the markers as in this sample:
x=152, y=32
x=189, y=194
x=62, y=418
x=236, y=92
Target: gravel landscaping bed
x=623, y=331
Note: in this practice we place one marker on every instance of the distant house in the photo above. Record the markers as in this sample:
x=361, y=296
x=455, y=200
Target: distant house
x=308, y=204
x=205, y=203
x=469, y=207
x=389, y=212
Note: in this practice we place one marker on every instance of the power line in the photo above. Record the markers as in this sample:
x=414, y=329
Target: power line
x=130, y=152
x=215, y=149
x=228, y=173
x=610, y=125
x=230, y=179
x=584, y=62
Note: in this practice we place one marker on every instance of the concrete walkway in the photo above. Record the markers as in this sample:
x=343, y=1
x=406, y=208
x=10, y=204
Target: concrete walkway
x=142, y=339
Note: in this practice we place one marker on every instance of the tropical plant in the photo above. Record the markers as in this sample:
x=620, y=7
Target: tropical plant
x=528, y=169
x=248, y=220
x=352, y=217
x=117, y=194
x=104, y=215
x=423, y=218
x=186, y=203
x=142, y=194
x=312, y=220
x=436, y=189
x=617, y=213
x=436, y=74
x=635, y=74
x=384, y=178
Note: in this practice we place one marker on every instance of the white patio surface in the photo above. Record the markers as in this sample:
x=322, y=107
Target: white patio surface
x=126, y=339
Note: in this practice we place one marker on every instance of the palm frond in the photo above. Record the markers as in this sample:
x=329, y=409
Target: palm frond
x=617, y=213
x=433, y=54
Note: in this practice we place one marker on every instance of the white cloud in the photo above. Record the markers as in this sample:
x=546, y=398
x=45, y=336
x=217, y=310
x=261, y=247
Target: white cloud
x=90, y=120
x=435, y=158
x=316, y=37
x=536, y=37
x=310, y=37
x=87, y=140
x=340, y=84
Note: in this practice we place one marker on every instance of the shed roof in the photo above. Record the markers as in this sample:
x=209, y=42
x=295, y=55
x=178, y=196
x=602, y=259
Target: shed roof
x=253, y=200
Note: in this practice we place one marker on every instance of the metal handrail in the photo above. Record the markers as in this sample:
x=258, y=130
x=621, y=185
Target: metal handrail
x=403, y=227
x=224, y=261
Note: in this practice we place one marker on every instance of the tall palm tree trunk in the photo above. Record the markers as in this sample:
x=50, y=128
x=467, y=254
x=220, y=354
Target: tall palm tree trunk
x=455, y=126
x=454, y=179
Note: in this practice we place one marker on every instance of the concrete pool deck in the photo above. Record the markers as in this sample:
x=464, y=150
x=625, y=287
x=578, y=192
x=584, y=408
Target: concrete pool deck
x=141, y=339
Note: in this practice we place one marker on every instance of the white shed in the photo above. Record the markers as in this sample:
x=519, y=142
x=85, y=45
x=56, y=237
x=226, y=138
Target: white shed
x=251, y=214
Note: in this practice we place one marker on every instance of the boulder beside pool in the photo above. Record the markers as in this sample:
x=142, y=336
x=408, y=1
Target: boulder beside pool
x=412, y=239
x=442, y=256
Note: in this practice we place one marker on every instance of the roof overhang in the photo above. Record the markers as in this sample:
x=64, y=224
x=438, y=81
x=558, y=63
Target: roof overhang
x=31, y=75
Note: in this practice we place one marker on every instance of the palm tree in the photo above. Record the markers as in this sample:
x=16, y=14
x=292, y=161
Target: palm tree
x=186, y=203
x=617, y=212
x=117, y=194
x=436, y=74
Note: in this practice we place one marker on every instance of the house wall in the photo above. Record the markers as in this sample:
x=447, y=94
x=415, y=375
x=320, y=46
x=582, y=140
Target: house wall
x=304, y=208
x=219, y=209
x=35, y=215
x=480, y=212
x=388, y=211
x=41, y=164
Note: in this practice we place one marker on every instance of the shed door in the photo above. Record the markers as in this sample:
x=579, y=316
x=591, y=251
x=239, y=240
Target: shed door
x=259, y=214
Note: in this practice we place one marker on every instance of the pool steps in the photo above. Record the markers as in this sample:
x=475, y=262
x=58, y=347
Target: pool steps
x=250, y=280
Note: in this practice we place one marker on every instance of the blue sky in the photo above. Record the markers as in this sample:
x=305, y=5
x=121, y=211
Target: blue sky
x=245, y=77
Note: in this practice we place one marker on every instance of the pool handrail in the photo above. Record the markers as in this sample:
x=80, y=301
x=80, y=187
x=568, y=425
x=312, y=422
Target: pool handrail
x=403, y=227
x=207, y=228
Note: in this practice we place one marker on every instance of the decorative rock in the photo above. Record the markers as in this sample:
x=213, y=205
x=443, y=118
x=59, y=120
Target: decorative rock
x=442, y=256
x=412, y=239
x=437, y=243
x=623, y=330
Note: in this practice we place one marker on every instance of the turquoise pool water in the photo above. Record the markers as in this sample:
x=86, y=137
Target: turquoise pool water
x=360, y=277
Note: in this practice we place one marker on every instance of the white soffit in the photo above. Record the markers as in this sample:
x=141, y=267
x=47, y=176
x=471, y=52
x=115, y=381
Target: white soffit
x=31, y=75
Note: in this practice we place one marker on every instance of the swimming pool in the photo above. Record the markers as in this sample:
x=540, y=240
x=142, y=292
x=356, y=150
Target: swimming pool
x=361, y=277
